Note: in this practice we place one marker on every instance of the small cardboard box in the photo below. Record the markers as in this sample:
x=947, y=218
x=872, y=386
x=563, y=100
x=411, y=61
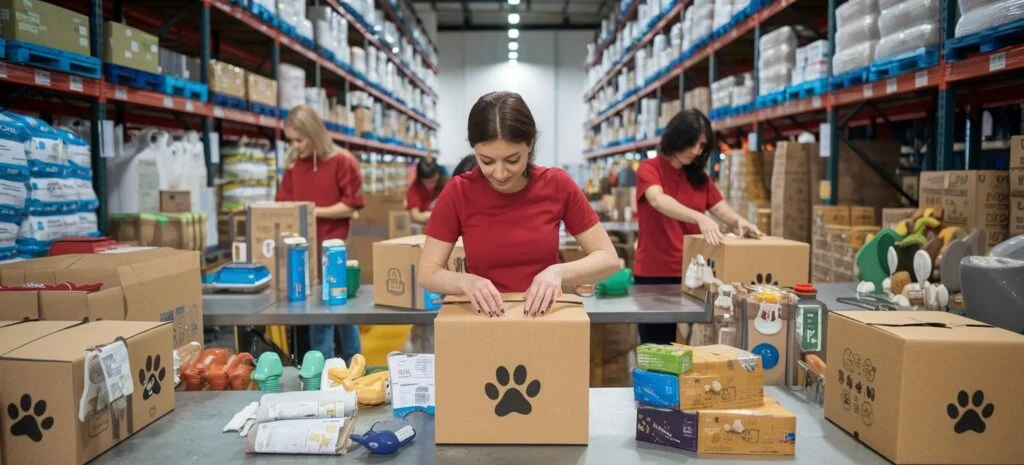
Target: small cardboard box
x=106, y=304
x=1016, y=216
x=891, y=216
x=131, y=48
x=1017, y=152
x=261, y=90
x=44, y=24
x=1017, y=182
x=175, y=201
x=722, y=377
x=766, y=430
x=526, y=381
x=825, y=215
x=768, y=260
x=863, y=216
x=926, y=387
x=56, y=363
x=227, y=79
x=979, y=199
x=289, y=218
x=395, y=270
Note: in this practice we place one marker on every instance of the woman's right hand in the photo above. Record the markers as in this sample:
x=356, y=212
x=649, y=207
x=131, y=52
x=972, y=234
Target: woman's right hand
x=482, y=294
x=710, y=229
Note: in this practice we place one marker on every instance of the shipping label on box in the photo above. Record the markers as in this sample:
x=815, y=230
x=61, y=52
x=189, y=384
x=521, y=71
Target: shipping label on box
x=526, y=381
x=139, y=352
x=395, y=266
x=768, y=260
x=1017, y=152
x=1017, y=182
x=912, y=386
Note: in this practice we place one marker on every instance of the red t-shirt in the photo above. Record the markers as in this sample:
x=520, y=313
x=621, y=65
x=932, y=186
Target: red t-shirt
x=334, y=180
x=419, y=197
x=510, y=238
x=659, y=252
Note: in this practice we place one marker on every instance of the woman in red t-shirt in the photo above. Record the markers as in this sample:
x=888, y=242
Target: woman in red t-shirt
x=318, y=171
x=423, y=192
x=508, y=212
x=674, y=195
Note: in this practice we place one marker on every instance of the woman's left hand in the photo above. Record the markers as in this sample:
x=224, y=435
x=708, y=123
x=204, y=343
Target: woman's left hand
x=546, y=287
x=744, y=228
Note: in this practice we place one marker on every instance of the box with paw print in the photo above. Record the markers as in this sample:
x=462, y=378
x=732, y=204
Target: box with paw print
x=45, y=391
x=926, y=387
x=512, y=379
x=768, y=260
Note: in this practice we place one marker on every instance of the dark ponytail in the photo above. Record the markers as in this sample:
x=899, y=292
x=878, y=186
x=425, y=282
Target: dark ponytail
x=427, y=168
x=682, y=133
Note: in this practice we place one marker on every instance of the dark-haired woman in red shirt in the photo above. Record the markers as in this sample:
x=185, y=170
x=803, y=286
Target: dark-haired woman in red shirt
x=508, y=212
x=423, y=192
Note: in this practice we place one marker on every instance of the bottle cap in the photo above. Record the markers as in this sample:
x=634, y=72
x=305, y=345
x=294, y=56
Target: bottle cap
x=804, y=288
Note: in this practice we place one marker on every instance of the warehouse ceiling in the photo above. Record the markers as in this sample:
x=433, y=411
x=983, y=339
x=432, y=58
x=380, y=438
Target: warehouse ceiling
x=534, y=14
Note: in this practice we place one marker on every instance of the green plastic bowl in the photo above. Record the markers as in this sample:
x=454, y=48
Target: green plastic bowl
x=354, y=273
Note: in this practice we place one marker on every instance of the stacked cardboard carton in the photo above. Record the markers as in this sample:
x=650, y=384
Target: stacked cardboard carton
x=669, y=109
x=821, y=258
x=844, y=243
x=698, y=99
x=184, y=231
x=1016, y=185
x=971, y=199
x=131, y=48
x=838, y=234
x=745, y=176
x=708, y=400
x=227, y=79
x=797, y=170
x=44, y=24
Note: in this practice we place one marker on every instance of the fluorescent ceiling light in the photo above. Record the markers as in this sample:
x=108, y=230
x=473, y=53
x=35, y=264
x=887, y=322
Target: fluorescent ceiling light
x=513, y=55
x=513, y=33
x=513, y=18
x=513, y=46
x=513, y=2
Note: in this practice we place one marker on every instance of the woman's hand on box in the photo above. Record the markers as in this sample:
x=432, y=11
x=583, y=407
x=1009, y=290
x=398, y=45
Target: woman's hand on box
x=710, y=229
x=546, y=287
x=482, y=294
x=745, y=229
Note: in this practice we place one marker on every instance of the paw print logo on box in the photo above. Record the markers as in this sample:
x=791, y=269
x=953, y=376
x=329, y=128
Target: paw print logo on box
x=394, y=284
x=969, y=413
x=514, y=399
x=151, y=377
x=29, y=419
x=764, y=280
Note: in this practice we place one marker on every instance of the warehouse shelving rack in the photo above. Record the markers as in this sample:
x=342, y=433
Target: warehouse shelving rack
x=237, y=37
x=929, y=99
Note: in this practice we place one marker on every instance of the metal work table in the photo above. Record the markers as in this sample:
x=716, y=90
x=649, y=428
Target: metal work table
x=191, y=434
x=644, y=304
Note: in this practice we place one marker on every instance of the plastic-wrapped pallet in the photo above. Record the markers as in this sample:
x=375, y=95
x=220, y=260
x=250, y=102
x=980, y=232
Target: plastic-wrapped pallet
x=292, y=84
x=979, y=15
x=703, y=21
x=857, y=35
x=777, y=59
x=359, y=59
x=292, y=12
x=721, y=92
x=811, y=62
x=722, y=13
x=906, y=26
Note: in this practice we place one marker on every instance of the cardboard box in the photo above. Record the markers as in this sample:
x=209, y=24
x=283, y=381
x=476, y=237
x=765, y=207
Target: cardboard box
x=16, y=334
x=826, y=215
x=106, y=304
x=227, y=79
x=526, y=381
x=395, y=266
x=131, y=48
x=738, y=374
x=769, y=260
x=261, y=89
x=979, y=199
x=931, y=187
x=44, y=24
x=921, y=387
x=134, y=228
x=891, y=216
x=611, y=354
x=175, y=201
x=1017, y=152
x=863, y=216
x=287, y=219
x=766, y=430
x=1016, y=216
x=1017, y=182
x=158, y=284
x=57, y=365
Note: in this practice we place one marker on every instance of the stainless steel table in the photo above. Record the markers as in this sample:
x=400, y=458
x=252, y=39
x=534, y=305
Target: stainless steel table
x=644, y=304
x=192, y=435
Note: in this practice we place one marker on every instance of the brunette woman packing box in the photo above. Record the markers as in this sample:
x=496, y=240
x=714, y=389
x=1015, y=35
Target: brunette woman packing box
x=508, y=211
x=318, y=171
x=674, y=198
x=423, y=192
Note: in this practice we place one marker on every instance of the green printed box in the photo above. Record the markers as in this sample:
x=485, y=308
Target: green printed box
x=676, y=360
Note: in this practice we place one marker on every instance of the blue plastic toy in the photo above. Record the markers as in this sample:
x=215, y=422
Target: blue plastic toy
x=385, y=442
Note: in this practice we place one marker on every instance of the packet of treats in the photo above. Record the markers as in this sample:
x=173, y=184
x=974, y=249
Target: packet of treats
x=317, y=436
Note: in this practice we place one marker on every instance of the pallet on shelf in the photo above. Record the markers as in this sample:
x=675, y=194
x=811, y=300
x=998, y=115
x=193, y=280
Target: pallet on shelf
x=850, y=78
x=771, y=99
x=265, y=110
x=924, y=57
x=985, y=41
x=263, y=14
x=185, y=88
x=170, y=85
x=306, y=41
x=230, y=101
x=807, y=89
x=50, y=58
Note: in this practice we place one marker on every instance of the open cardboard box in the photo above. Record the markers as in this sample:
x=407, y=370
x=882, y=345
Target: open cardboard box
x=396, y=268
x=56, y=364
x=513, y=379
x=926, y=387
x=105, y=304
x=767, y=260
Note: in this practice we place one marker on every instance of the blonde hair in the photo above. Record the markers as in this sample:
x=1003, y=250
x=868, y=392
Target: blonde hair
x=305, y=121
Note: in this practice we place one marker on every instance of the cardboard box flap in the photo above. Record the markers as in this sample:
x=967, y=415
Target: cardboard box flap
x=87, y=335
x=567, y=308
x=15, y=335
x=933, y=326
x=911, y=318
x=516, y=297
x=413, y=241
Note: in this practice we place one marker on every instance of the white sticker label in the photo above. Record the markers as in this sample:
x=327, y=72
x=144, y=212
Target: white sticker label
x=891, y=85
x=769, y=319
x=299, y=410
x=752, y=140
x=107, y=141
x=75, y=83
x=412, y=380
x=816, y=102
x=120, y=93
x=116, y=370
x=189, y=106
x=748, y=361
x=997, y=61
x=42, y=78
x=404, y=433
x=825, y=138
x=3, y=70
x=318, y=436
x=168, y=101
x=921, y=79
x=218, y=112
x=869, y=90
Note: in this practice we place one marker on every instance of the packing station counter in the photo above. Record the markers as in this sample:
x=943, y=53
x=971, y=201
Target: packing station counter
x=199, y=416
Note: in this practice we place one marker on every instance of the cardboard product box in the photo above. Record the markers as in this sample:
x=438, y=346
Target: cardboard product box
x=287, y=218
x=766, y=430
x=1017, y=152
x=722, y=377
x=926, y=387
x=526, y=381
x=134, y=228
x=828, y=215
x=227, y=79
x=979, y=199
x=261, y=89
x=1016, y=216
x=131, y=48
x=57, y=363
x=931, y=188
x=175, y=201
x=1017, y=182
x=863, y=216
x=891, y=216
x=395, y=267
x=105, y=304
x=611, y=354
x=768, y=260
x=373, y=225
x=158, y=284
x=44, y=24
x=363, y=120
x=861, y=185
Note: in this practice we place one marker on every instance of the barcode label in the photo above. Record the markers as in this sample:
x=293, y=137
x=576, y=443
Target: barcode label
x=75, y=83
x=997, y=62
x=404, y=373
x=120, y=93
x=422, y=396
x=116, y=370
x=42, y=78
x=168, y=102
x=921, y=79
x=816, y=102
x=891, y=85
